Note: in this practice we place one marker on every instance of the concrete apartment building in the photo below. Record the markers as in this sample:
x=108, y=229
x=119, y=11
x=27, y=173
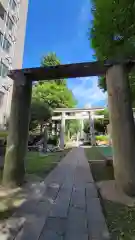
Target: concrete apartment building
x=13, y=16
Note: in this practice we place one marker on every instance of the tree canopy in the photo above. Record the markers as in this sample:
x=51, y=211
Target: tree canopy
x=53, y=93
x=40, y=114
x=73, y=126
x=52, y=60
x=104, y=112
x=113, y=33
x=99, y=126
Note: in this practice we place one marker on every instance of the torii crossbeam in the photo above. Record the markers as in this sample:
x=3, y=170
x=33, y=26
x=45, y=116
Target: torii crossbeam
x=121, y=116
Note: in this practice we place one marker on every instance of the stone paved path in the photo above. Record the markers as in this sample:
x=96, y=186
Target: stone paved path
x=66, y=206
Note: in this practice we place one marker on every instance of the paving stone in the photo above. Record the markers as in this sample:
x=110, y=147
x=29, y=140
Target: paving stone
x=57, y=225
x=77, y=221
x=27, y=207
x=49, y=235
x=76, y=236
x=98, y=230
x=10, y=228
x=61, y=205
x=94, y=209
x=91, y=191
x=51, y=191
x=78, y=198
x=62, y=211
x=31, y=229
x=96, y=222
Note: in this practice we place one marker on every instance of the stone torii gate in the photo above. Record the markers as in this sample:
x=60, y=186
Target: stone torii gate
x=63, y=117
x=121, y=115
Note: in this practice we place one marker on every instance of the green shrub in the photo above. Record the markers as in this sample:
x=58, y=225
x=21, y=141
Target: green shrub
x=102, y=138
x=53, y=140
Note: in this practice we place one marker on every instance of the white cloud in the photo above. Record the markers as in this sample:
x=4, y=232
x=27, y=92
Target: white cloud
x=83, y=19
x=89, y=93
x=84, y=11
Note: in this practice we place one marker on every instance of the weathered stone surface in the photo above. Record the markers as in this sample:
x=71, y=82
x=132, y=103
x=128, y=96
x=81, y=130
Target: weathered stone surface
x=96, y=222
x=66, y=206
x=98, y=230
x=57, y=225
x=61, y=204
x=77, y=221
x=31, y=229
x=91, y=191
x=76, y=236
x=94, y=210
x=9, y=230
x=49, y=235
x=78, y=198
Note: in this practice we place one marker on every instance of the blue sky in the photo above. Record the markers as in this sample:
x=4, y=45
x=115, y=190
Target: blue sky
x=61, y=26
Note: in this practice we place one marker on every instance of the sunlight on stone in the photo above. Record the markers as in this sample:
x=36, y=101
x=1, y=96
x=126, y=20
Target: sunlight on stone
x=6, y=192
x=50, y=200
x=18, y=202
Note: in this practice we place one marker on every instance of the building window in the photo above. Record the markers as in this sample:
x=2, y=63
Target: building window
x=12, y=4
x=1, y=39
x=2, y=12
x=4, y=43
x=3, y=70
x=9, y=23
x=1, y=98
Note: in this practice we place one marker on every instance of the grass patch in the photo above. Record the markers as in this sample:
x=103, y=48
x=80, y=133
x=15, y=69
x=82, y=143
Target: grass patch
x=102, y=137
x=40, y=164
x=100, y=170
x=120, y=218
x=93, y=154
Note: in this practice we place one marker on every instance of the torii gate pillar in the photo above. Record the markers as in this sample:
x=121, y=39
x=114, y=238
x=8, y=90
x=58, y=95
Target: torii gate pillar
x=14, y=168
x=123, y=128
x=62, y=131
x=92, y=129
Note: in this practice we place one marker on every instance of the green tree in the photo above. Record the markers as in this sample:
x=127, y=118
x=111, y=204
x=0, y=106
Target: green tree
x=55, y=93
x=86, y=127
x=72, y=127
x=99, y=126
x=40, y=114
x=51, y=60
x=112, y=36
x=113, y=33
x=104, y=112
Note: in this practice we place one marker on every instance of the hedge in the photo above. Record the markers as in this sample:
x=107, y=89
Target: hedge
x=102, y=138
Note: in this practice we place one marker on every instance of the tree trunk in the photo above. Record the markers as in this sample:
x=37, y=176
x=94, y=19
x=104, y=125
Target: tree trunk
x=56, y=128
x=41, y=128
x=45, y=137
x=14, y=168
x=123, y=128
